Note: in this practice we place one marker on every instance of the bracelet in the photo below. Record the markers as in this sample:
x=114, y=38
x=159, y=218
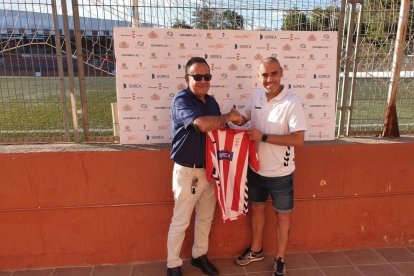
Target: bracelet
x=264, y=137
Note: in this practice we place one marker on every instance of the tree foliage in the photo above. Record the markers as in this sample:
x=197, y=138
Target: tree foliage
x=294, y=20
x=207, y=18
x=232, y=21
x=318, y=19
x=181, y=24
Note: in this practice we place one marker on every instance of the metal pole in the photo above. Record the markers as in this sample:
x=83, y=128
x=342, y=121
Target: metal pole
x=344, y=108
x=135, y=15
x=339, y=48
x=354, y=69
x=81, y=71
x=70, y=71
x=391, y=120
x=60, y=70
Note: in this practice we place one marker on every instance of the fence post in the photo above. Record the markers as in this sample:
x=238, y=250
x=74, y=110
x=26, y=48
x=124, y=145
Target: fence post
x=60, y=70
x=81, y=71
x=70, y=71
x=391, y=120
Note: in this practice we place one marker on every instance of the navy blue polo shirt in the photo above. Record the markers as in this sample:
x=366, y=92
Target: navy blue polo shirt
x=189, y=144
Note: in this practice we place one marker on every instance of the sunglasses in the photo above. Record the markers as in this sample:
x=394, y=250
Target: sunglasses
x=198, y=77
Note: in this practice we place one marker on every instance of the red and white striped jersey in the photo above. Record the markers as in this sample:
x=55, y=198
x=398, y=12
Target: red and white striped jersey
x=227, y=155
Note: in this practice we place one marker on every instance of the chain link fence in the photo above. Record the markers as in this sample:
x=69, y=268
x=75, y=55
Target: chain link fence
x=57, y=63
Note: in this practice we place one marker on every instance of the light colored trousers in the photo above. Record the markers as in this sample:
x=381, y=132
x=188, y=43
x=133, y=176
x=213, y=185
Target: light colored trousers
x=203, y=200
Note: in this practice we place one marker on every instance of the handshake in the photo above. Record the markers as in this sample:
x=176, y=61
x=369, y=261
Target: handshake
x=235, y=117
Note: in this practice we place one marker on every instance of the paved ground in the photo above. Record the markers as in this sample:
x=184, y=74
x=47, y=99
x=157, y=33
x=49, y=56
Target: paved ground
x=371, y=261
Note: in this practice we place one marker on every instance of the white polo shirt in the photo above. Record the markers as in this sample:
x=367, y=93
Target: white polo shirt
x=281, y=115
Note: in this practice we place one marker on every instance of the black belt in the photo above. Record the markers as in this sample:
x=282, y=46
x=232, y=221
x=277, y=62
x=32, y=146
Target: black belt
x=190, y=165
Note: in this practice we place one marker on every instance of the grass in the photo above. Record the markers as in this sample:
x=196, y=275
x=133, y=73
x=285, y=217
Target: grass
x=32, y=108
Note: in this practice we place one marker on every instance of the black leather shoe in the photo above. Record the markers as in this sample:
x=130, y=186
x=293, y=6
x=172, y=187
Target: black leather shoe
x=175, y=271
x=204, y=264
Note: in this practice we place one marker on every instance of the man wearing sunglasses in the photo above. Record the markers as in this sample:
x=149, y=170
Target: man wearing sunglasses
x=193, y=113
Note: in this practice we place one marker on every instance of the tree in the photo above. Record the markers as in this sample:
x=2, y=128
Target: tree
x=205, y=18
x=324, y=19
x=232, y=21
x=294, y=20
x=181, y=24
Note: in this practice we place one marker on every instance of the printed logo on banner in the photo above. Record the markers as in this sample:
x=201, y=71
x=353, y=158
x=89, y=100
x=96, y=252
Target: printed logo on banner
x=189, y=35
x=123, y=45
x=312, y=37
x=292, y=57
x=168, y=56
x=132, y=75
x=326, y=57
x=242, y=46
x=160, y=76
x=131, y=85
x=321, y=76
x=163, y=107
x=215, y=67
x=300, y=76
x=267, y=36
x=155, y=97
x=140, y=45
x=132, y=138
x=223, y=36
x=169, y=35
x=217, y=46
x=215, y=56
x=232, y=67
x=324, y=96
x=127, y=107
x=244, y=96
x=209, y=35
x=303, y=47
x=155, y=137
x=310, y=96
x=181, y=86
x=197, y=47
x=161, y=66
x=311, y=57
x=287, y=47
x=296, y=86
x=181, y=46
x=186, y=57
x=258, y=57
x=320, y=66
x=244, y=36
x=163, y=127
x=326, y=37
x=302, y=67
x=161, y=45
x=152, y=35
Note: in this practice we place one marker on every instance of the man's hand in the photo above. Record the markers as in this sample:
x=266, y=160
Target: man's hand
x=237, y=118
x=254, y=134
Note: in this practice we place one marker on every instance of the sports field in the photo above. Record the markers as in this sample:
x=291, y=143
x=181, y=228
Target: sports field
x=33, y=106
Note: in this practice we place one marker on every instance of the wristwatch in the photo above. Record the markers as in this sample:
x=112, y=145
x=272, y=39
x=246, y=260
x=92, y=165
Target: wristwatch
x=264, y=137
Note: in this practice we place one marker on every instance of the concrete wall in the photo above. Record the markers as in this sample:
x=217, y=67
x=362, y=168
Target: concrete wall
x=92, y=207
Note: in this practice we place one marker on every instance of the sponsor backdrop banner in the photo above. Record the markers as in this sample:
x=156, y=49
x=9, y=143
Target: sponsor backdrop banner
x=150, y=68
